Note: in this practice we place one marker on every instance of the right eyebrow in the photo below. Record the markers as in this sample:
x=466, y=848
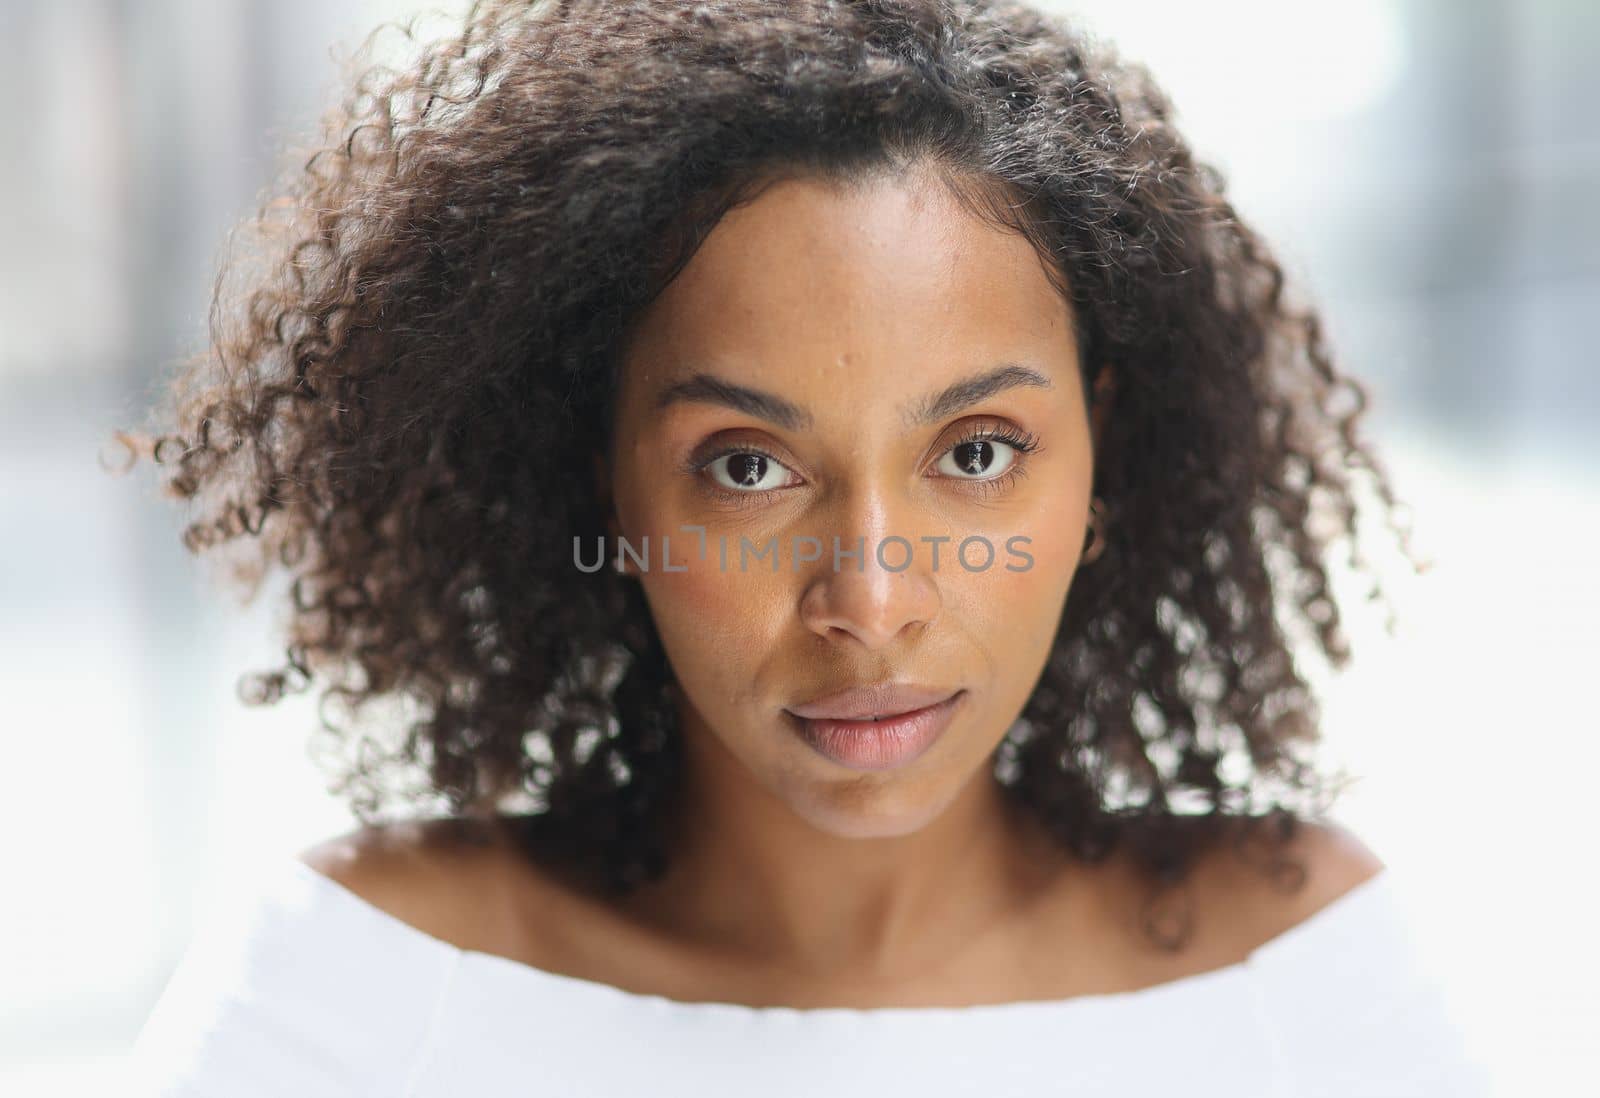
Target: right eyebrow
x=710, y=389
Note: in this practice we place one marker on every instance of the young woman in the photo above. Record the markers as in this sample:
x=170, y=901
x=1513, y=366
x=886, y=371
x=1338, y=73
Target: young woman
x=835, y=486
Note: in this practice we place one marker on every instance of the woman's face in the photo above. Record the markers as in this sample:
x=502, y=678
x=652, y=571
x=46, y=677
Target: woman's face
x=816, y=372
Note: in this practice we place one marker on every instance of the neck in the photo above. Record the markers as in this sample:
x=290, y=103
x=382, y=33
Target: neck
x=749, y=873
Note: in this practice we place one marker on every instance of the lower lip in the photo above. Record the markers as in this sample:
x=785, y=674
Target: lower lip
x=878, y=745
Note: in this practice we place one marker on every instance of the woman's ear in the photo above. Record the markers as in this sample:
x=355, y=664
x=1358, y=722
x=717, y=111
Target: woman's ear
x=602, y=487
x=1103, y=395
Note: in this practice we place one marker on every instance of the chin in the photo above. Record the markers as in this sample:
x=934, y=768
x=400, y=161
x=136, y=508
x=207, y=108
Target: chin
x=868, y=810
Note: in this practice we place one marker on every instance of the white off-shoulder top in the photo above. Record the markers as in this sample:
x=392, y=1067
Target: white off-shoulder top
x=299, y=988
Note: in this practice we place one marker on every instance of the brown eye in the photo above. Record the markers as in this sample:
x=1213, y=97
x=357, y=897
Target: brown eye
x=978, y=459
x=748, y=471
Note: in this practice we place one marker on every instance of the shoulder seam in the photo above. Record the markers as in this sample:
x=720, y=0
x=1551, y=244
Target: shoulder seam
x=1279, y=1083
x=425, y=1046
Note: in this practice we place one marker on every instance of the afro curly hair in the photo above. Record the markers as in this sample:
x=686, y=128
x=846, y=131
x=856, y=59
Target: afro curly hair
x=431, y=325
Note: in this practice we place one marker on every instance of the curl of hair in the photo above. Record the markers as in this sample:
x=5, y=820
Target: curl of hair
x=392, y=408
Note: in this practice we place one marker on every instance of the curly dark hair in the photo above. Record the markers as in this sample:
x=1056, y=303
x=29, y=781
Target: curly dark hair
x=388, y=400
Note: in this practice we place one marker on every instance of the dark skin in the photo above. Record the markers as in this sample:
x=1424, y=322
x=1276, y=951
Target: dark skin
x=795, y=880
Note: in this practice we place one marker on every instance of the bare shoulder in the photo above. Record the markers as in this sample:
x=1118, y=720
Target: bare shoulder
x=1253, y=909
x=1336, y=860
x=444, y=877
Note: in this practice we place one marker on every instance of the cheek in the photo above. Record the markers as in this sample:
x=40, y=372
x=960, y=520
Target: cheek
x=1016, y=603
x=714, y=624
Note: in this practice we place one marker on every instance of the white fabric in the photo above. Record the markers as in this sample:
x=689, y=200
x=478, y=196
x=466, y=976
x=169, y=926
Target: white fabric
x=301, y=989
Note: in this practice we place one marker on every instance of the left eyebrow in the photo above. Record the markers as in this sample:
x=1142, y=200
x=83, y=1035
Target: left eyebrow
x=969, y=391
x=710, y=389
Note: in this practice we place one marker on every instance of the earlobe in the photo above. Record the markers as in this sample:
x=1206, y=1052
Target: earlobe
x=602, y=490
x=602, y=487
x=1103, y=394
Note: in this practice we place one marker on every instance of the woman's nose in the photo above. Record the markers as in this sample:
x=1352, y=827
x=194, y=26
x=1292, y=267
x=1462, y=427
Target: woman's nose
x=874, y=577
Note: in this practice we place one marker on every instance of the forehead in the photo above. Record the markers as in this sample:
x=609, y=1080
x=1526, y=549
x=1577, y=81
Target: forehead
x=890, y=274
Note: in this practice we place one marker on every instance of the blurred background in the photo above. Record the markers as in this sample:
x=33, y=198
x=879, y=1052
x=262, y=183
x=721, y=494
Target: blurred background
x=1428, y=169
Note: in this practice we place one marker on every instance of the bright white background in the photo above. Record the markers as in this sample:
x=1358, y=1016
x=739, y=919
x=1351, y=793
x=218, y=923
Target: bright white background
x=1429, y=172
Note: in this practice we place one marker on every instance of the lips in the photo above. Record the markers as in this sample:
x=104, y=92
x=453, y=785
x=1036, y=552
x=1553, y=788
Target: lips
x=865, y=744
x=874, y=701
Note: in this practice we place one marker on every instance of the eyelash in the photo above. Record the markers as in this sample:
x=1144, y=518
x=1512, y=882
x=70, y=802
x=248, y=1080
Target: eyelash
x=1024, y=442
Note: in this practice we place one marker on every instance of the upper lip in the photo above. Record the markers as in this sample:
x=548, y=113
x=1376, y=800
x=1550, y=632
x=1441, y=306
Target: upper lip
x=886, y=699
